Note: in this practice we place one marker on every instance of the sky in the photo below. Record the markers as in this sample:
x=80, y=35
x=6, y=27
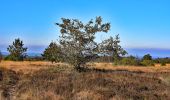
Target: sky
x=140, y=23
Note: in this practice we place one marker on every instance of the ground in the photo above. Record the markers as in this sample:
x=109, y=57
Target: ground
x=47, y=81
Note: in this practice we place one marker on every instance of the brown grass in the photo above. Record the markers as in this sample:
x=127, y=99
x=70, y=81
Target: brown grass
x=156, y=68
x=93, y=85
x=47, y=81
x=27, y=66
x=31, y=66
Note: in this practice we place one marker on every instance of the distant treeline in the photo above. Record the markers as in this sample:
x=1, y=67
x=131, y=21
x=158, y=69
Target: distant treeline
x=146, y=60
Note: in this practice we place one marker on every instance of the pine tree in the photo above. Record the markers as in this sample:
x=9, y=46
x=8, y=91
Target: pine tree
x=17, y=51
x=53, y=53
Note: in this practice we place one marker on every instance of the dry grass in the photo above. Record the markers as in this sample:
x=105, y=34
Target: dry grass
x=27, y=66
x=93, y=85
x=47, y=81
x=31, y=66
x=156, y=68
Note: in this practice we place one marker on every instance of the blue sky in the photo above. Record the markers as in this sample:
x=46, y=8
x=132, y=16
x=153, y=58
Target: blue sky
x=140, y=23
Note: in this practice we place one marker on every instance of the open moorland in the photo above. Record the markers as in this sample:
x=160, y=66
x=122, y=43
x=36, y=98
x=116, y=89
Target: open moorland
x=84, y=50
x=40, y=80
x=32, y=66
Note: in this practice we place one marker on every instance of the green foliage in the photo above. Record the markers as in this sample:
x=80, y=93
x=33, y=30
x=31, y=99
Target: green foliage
x=147, y=62
x=162, y=62
x=34, y=58
x=78, y=40
x=107, y=59
x=112, y=47
x=132, y=61
x=53, y=53
x=1, y=56
x=147, y=57
x=16, y=50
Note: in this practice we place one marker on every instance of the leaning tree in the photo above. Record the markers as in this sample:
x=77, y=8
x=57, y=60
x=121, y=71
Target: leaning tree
x=77, y=40
x=17, y=50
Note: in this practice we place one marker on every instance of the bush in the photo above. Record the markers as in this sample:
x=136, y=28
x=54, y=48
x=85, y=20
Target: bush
x=147, y=57
x=53, y=53
x=34, y=58
x=163, y=63
x=13, y=58
x=7, y=57
x=1, y=56
x=147, y=60
x=130, y=61
x=147, y=63
x=134, y=61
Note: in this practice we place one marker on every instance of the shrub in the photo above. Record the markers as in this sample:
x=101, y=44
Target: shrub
x=34, y=58
x=147, y=57
x=7, y=58
x=163, y=63
x=147, y=63
x=147, y=60
x=0, y=56
x=13, y=58
x=53, y=53
x=129, y=61
x=134, y=61
x=162, y=60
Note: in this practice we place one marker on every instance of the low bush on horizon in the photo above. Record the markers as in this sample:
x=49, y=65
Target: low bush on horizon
x=132, y=61
x=35, y=58
x=163, y=63
x=147, y=63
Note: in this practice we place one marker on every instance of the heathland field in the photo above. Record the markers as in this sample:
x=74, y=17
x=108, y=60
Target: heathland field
x=42, y=80
x=32, y=66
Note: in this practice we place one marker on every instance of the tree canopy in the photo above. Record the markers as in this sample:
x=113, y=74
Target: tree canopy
x=112, y=47
x=78, y=40
x=147, y=57
x=53, y=53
